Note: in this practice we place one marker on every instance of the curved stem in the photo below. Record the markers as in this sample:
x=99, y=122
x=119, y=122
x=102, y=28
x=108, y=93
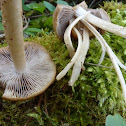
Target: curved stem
x=13, y=28
x=81, y=58
x=67, y=38
x=85, y=46
x=69, y=65
x=118, y=61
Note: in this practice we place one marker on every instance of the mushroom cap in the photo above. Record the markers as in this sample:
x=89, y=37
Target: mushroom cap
x=38, y=76
x=61, y=17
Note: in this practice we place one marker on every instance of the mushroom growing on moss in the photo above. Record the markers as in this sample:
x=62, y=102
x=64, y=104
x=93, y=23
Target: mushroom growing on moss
x=26, y=69
x=89, y=20
x=70, y=30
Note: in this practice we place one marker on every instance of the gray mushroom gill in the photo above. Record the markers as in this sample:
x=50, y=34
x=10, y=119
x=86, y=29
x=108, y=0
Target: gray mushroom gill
x=91, y=20
x=26, y=69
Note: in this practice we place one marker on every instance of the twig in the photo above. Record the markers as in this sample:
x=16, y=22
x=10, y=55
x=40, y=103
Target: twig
x=26, y=124
x=39, y=103
x=45, y=102
x=98, y=65
x=36, y=16
x=26, y=21
x=69, y=114
x=40, y=100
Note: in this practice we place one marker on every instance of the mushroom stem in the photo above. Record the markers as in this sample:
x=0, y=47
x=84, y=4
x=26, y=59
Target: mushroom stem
x=103, y=48
x=69, y=65
x=118, y=61
x=13, y=28
x=67, y=38
x=85, y=44
x=81, y=58
x=110, y=53
x=113, y=28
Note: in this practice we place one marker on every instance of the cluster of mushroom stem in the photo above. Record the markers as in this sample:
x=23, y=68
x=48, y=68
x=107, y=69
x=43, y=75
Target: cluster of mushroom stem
x=26, y=69
x=84, y=15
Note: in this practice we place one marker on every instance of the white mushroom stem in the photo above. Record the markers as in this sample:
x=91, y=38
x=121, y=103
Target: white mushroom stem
x=110, y=53
x=85, y=45
x=67, y=37
x=101, y=58
x=113, y=28
x=81, y=58
x=13, y=28
x=70, y=64
x=118, y=61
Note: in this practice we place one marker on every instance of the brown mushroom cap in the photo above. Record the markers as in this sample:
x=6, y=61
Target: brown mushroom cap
x=38, y=76
x=61, y=17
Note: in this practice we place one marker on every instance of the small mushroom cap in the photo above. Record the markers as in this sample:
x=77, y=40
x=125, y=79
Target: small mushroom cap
x=38, y=76
x=61, y=17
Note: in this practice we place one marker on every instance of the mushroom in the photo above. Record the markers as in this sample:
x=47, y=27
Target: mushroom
x=88, y=21
x=26, y=69
x=71, y=50
x=64, y=13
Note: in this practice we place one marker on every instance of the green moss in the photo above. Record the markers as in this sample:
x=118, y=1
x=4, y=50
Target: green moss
x=96, y=93
x=3, y=45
